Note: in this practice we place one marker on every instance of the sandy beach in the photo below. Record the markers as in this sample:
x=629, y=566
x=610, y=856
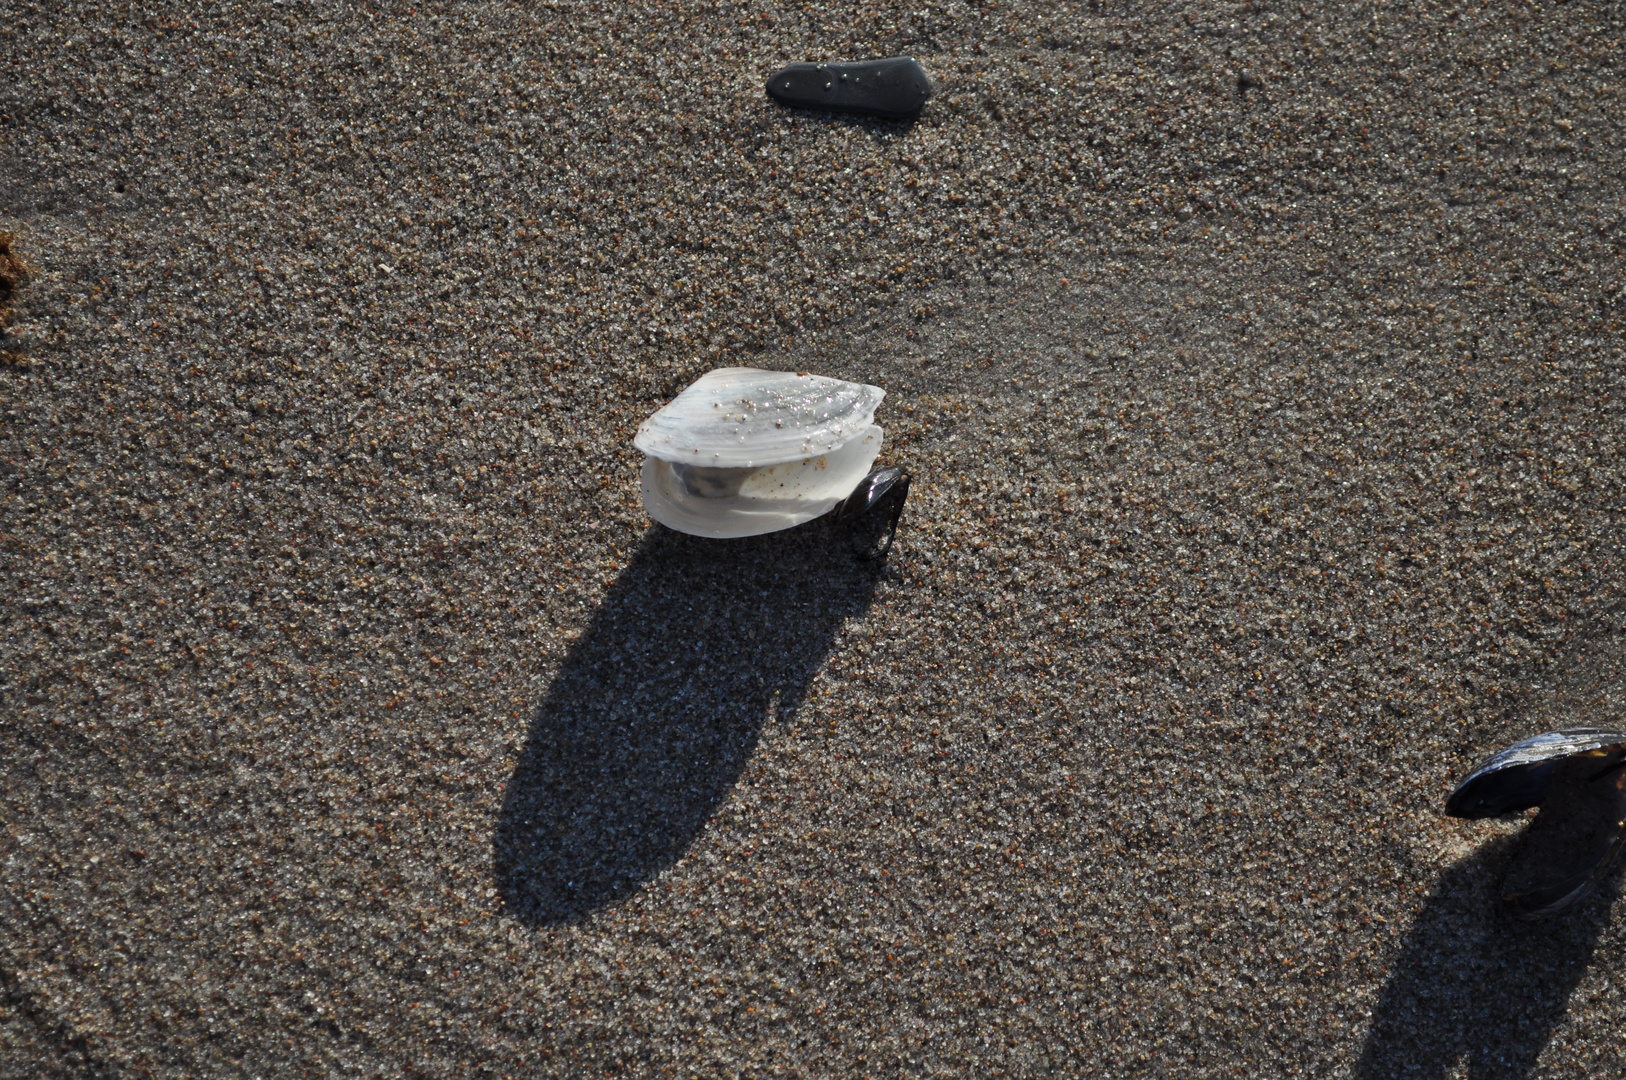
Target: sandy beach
x=1259, y=370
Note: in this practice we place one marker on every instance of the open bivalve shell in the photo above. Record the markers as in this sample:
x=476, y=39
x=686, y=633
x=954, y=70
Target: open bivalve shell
x=1517, y=778
x=742, y=451
x=1577, y=777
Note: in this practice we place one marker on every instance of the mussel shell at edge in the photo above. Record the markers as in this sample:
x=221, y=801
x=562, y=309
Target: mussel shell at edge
x=1516, y=778
x=1574, y=840
x=870, y=490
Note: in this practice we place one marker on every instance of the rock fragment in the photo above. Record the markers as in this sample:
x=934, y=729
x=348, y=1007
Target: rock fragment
x=894, y=88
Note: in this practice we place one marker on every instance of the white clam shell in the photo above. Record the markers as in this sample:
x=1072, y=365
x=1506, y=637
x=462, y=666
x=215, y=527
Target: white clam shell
x=743, y=452
x=735, y=418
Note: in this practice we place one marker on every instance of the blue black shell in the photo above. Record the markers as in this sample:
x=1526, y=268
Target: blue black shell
x=1516, y=778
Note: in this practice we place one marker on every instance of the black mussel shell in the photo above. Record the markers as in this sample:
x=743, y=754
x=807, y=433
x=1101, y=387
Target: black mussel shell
x=873, y=509
x=893, y=88
x=1574, y=840
x=1519, y=777
x=870, y=491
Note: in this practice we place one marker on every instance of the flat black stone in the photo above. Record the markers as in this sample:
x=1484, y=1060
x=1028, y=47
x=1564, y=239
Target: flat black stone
x=893, y=88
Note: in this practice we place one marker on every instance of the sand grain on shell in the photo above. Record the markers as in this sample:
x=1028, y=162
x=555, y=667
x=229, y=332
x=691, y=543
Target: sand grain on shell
x=1259, y=369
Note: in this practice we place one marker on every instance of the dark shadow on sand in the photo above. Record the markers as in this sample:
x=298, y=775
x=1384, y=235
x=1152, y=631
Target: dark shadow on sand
x=659, y=706
x=1473, y=984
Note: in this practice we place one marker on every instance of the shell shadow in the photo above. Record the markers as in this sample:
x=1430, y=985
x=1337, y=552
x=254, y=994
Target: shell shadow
x=1474, y=985
x=658, y=707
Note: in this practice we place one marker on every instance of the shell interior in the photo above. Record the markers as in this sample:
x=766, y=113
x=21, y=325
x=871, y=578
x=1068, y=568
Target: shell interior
x=728, y=502
x=1517, y=778
x=1574, y=839
x=743, y=418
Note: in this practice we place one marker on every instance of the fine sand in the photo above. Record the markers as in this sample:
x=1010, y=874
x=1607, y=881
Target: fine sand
x=1259, y=369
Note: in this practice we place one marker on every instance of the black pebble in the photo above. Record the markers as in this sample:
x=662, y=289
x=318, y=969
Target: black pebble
x=894, y=87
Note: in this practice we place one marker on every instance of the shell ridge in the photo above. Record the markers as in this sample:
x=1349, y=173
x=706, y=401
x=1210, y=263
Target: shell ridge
x=784, y=412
